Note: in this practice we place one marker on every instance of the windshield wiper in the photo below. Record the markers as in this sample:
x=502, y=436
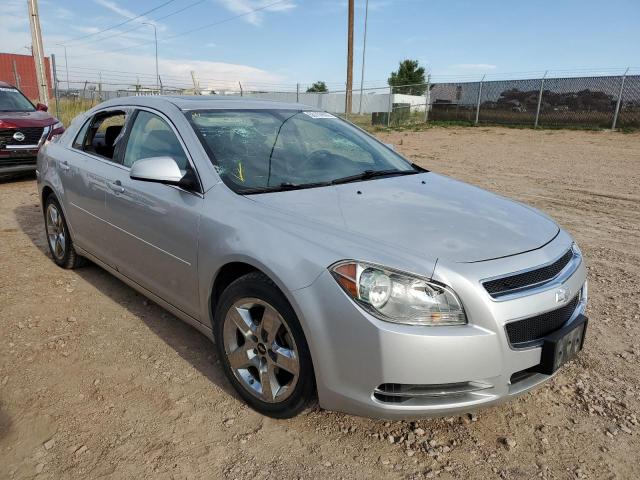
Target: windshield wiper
x=283, y=187
x=367, y=174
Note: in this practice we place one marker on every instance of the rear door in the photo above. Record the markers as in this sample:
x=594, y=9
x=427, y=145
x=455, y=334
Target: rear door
x=84, y=172
x=156, y=225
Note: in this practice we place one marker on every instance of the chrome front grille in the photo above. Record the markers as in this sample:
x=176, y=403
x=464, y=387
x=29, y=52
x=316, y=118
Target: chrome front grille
x=32, y=136
x=531, y=278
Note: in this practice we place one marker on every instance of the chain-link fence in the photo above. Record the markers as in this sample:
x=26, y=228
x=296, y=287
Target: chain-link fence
x=598, y=102
x=602, y=101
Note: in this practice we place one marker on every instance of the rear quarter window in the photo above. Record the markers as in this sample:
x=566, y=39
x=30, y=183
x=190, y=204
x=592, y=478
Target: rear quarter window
x=78, y=142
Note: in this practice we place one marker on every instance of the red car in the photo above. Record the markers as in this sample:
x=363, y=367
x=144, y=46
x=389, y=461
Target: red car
x=23, y=130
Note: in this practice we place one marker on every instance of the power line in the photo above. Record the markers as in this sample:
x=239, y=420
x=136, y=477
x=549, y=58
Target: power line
x=187, y=32
x=119, y=24
x=108, y=37
x=94, y=71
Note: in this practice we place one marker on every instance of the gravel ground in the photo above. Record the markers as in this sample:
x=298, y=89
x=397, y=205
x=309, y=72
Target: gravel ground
x=95, y=381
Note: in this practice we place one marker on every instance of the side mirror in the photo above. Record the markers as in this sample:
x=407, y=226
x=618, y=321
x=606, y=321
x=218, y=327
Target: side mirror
x=390, y=146
x=157, y=169
x=41, y=107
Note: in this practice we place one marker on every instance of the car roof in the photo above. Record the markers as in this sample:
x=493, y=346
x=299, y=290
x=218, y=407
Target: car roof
x=204, y=102
x=5, y=84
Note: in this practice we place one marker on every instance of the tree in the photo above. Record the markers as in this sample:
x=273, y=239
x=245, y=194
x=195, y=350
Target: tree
x=318, y=87
x=411, y=74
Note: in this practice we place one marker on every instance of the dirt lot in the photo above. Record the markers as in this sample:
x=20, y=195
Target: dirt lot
x=97, y=382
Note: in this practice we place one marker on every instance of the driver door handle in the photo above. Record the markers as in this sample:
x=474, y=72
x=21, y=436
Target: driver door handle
x=116, y=186
x=64, y=165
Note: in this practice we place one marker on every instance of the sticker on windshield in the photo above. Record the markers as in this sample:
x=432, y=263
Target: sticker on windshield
x=319, y=115
x=5, y=89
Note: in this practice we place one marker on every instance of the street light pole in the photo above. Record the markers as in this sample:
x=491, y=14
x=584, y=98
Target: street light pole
x=66, y=63
x=155, y=35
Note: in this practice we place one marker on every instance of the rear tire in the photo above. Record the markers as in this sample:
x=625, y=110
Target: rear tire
x=58, y=237
x=262, y=348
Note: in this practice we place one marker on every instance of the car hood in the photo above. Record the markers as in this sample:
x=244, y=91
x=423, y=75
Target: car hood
x=27, y=119
x=428, y=214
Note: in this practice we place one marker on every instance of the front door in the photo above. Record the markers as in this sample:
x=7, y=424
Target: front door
x=156, y=225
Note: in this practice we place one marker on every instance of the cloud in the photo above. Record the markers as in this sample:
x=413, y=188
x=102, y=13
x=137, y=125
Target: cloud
x=248, y=7
x=475, y=66
x=126, y=13
x=114, y=7
x=381, y=5
x=85, y=29
x=220, y=76
x=121, y=70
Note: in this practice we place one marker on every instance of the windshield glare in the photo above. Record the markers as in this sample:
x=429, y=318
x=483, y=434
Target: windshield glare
x=11, y=100
x=263, y=149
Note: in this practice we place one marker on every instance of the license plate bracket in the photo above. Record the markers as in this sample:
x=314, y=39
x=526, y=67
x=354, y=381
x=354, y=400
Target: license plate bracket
x=562, y=345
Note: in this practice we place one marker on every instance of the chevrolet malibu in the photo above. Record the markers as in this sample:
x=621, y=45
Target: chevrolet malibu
x=322, y=263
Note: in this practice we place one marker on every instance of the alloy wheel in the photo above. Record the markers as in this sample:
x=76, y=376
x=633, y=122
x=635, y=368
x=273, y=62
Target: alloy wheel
x=55, y=231
x=260, y=349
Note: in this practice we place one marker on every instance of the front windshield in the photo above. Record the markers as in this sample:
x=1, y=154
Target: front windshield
x=271, y=149
x=11, y=100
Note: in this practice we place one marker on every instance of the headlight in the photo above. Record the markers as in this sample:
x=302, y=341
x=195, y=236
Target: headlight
x=576, y=249
x=57, y=129
x=399, y=297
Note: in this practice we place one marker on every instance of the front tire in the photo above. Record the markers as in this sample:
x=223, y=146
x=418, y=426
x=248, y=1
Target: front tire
x=262, y=348
x=58, y=237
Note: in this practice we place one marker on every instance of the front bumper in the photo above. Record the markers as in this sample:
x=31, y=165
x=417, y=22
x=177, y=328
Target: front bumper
x=15, y=162
x=364, y=365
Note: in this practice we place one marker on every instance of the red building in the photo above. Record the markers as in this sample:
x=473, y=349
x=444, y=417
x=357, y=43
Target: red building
x=25, y=69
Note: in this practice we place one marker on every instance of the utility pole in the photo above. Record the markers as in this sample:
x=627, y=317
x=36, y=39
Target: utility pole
x=38, y=52
x=348, y=98
x=364, y=49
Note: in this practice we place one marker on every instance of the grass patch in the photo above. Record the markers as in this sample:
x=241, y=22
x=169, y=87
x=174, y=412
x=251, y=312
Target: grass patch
x=68, y=109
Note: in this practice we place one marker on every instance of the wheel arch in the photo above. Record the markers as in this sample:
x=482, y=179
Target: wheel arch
x=238, y=267
x=226, y=275
x=46, y=192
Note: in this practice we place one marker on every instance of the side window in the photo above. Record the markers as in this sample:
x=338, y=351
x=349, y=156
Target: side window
x=82, y=134
x=151, y=137
x=104, y=132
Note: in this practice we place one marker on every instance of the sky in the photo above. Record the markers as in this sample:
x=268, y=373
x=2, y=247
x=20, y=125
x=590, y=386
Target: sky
x=272, y=45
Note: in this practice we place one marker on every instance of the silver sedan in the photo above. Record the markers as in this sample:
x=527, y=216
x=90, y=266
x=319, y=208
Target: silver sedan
x=322, y=263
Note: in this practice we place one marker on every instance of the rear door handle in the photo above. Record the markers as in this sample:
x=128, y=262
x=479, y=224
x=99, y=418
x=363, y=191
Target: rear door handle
x=116, y=186
x=64, y=165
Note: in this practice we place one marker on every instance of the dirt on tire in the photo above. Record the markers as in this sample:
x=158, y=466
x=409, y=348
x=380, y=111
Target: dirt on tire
x=98, y=382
